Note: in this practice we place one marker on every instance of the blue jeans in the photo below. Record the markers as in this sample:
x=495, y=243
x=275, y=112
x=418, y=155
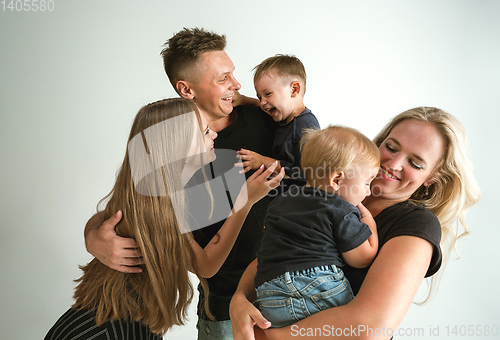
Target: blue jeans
x=218, y=330
x=296, y=295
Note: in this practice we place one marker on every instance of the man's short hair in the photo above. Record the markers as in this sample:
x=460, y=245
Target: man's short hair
x=182, y=52
x=282, y=65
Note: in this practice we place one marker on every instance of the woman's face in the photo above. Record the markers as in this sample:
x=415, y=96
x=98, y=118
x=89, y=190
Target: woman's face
x=408, y=157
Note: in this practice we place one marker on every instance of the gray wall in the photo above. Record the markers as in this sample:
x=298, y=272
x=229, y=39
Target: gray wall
x=73, y=79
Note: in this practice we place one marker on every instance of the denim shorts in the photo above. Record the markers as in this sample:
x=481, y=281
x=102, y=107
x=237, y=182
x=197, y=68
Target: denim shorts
x=296, y=295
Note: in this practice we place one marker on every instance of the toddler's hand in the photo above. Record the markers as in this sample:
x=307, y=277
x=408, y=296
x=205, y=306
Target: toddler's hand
x=250, y=160
x=363, y=211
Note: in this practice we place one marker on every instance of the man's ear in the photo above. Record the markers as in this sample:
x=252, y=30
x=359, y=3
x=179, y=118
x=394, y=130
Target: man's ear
x=184, y=89
x=335, y=179
x=296, y=88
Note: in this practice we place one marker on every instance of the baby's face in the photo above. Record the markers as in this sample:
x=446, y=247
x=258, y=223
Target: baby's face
x=275, y=96
x=355, y=185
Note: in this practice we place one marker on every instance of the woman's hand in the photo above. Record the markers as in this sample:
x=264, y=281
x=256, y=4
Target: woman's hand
x=244, y=316
x=116, y=252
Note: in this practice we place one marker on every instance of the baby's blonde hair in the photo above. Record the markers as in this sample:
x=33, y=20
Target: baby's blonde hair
x=335, y=148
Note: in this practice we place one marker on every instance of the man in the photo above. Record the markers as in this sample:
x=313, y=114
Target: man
x=200, y=70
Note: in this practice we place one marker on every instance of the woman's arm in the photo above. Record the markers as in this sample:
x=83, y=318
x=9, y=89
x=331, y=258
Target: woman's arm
x=243, y=314
x=384, y=297
x=382, y=302
x=210, y=259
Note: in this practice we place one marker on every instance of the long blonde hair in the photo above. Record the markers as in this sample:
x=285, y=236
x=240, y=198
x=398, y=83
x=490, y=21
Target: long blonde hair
x=160, y=295
x=455, y=189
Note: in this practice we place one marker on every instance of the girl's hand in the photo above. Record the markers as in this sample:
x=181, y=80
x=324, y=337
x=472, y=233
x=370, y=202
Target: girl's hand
x=258, y=185
x=262, y=181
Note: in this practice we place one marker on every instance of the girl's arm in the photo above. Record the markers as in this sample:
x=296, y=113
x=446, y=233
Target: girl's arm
x=208, y=260
x=382, y=302
x=122, y=254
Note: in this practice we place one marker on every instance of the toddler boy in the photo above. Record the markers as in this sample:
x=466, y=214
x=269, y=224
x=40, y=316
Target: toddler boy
x=280, y=83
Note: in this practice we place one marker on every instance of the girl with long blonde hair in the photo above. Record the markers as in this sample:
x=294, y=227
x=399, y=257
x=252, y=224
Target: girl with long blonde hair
x=169, y=141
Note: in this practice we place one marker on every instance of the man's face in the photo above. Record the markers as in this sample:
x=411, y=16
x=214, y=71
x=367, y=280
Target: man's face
x=213, y=93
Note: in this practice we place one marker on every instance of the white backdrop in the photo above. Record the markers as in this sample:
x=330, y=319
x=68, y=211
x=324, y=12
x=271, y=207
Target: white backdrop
x=72, y=79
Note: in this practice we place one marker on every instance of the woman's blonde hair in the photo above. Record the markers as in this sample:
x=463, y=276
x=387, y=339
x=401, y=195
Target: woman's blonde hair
x=160, y=295
x=335, y=148
x=454, y=189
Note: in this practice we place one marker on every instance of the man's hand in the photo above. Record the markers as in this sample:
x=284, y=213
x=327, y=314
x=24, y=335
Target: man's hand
x=116, y=252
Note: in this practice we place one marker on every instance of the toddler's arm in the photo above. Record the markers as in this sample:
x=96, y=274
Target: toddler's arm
x=252, y=160
x=363, y=255
x=239, y=99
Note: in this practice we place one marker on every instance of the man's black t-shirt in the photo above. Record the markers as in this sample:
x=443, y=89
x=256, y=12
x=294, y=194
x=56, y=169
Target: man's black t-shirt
x=251, y=129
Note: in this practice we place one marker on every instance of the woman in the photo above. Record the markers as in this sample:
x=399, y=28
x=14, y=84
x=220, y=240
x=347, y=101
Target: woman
x=169, y=141
x=424, y=187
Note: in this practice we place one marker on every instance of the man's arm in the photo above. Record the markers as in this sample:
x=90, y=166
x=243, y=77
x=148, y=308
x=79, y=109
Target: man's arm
x=116, y=252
